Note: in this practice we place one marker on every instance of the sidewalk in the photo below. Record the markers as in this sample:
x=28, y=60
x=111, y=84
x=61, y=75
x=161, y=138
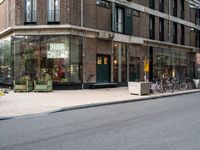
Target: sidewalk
x=19, y=104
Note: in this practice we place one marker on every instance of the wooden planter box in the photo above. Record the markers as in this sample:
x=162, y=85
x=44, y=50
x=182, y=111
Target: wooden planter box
x=45, y=87
x=139, y=88
x=27, y=87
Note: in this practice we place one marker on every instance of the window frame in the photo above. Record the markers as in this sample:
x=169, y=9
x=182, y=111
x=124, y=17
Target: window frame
x=53, y=12
x=30, y=17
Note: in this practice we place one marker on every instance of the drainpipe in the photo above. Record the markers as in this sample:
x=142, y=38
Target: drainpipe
x=83, y=53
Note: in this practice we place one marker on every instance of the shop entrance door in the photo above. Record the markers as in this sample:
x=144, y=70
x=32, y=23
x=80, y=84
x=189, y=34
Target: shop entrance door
x=103, y=68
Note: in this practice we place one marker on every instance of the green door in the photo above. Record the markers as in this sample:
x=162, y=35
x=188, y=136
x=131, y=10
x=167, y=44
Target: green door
x=103, y=68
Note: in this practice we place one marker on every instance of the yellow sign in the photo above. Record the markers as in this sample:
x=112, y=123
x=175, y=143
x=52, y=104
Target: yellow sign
x=146, y=65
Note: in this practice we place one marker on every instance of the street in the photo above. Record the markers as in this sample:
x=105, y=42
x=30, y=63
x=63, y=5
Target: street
x=171, y=123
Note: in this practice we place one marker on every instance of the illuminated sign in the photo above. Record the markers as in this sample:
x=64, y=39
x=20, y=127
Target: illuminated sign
x=58, y=50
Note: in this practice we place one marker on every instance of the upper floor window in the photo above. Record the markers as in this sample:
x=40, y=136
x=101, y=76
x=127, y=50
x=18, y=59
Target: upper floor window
x=174, y=32
x=182, y=8
x=197, y=16
x=152, y=4
x=182, y=35
x=151, y=27
x=161, y=5
x=53, y=11
x=122, y=19
x=161, y=29
x=119, y=19
x=30, y=11
x=174, y=8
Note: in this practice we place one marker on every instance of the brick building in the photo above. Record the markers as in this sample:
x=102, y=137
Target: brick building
x=98, y=41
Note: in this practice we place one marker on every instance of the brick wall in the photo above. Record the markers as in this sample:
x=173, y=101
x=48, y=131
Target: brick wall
x=91, y=48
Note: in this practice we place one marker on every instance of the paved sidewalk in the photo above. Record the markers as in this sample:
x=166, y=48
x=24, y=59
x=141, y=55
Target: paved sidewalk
x=19, y=104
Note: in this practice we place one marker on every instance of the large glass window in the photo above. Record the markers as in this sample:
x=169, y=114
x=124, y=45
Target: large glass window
x=53, y=11
x=173, y=63
x=119, y=62
x=30, y=11
x=59, y=56
x=5, y=61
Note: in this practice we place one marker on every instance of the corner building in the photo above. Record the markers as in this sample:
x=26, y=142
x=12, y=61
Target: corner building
x=82, y=42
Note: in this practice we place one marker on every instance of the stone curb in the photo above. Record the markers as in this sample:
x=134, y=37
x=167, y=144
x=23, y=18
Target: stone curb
x=100, y=104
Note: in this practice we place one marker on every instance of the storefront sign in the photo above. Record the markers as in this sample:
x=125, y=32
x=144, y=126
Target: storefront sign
x=57, y=50
x=198, y=59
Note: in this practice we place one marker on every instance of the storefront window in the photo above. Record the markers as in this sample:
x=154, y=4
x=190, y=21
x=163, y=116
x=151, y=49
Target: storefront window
x=5, y=61
x=59, y=56
x=173, y=63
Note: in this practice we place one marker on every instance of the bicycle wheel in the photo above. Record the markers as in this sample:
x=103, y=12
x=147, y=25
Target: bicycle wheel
x=183, y=86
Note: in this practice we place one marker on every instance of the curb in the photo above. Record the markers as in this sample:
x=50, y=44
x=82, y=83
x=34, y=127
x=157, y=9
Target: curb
x=100, y=104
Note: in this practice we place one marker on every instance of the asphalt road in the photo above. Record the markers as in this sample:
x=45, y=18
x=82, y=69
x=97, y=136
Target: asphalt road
x=162, y=124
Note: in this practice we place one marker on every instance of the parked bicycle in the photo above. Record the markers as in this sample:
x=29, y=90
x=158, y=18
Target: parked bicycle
x=166, y=84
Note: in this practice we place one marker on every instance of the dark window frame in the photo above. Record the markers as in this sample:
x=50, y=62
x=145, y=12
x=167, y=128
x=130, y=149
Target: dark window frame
x=32, y=19
x=182, y=35
x=174, y=8
x=161, y=5
x=53, y=15
x=182, y=2
x=175, y=32
x=161, y=29
x=152, y=4
x=152, y=24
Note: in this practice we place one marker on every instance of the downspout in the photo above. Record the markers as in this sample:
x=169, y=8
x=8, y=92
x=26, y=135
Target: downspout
x=83, y=53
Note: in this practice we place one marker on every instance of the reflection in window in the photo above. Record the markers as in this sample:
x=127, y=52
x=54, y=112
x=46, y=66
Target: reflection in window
x=105, y=60
x=53, y=11
x=99, y=61
x=30, y=11
x=172, y=62
x=5, y=61
x=62, y=63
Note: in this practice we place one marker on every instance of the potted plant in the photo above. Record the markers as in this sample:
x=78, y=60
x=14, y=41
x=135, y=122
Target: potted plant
x=23, y=84
x=44, y=84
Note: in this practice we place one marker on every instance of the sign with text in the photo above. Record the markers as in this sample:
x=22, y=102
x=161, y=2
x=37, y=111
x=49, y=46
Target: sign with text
x=146, y=65
x=58, y=50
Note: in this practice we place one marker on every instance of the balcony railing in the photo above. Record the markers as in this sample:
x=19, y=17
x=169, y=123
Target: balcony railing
x=53, y=16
